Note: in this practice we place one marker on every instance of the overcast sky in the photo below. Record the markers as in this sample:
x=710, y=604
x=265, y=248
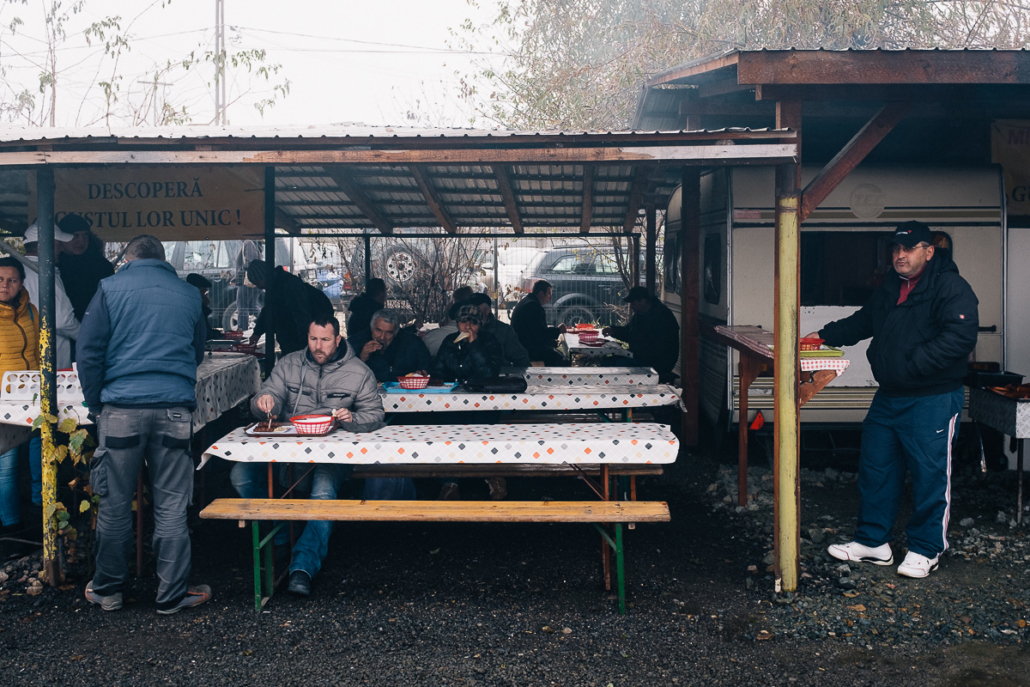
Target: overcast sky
x=346, y=60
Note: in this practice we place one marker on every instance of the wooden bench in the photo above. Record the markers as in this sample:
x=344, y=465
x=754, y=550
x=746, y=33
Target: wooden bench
x=607, y=516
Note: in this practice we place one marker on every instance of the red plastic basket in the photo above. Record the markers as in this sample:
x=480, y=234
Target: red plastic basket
x=588, y=335
x=811, y=344
x=233, y=334
x=413, y=382
x=312, y=424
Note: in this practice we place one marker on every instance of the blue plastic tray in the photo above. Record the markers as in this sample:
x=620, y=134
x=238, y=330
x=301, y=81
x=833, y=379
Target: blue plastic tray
x=395, y=388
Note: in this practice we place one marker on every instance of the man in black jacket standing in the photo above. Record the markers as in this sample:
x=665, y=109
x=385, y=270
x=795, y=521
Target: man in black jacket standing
x=295, y=304
x=653, y=334
x=364, y=306
x=529, y=321
x=923, y=323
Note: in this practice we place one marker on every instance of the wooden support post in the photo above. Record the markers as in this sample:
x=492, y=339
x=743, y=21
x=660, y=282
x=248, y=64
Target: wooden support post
x=269, y=314
x=787, y=427
x=636, y=197
x=689, y=291
x=651, y=248
x=48, y=367
x=368, y=259
x=749, y=369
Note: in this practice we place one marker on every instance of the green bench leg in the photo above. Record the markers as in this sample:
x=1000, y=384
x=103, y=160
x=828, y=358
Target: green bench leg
x=264, y=557
x=620, y=567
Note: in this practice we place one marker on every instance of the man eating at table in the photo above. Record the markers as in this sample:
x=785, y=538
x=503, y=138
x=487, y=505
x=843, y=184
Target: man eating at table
x=326, y=378
x=389, y=351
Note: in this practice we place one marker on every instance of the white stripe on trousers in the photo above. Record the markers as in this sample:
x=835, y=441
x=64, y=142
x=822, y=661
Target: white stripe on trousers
x=947, y=492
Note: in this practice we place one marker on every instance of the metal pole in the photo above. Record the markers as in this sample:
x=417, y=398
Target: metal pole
x=269, y=313
x=635, y=271
x=48, y=367
x=651, y=242
x=368, y=259
x=497, y=283
x=787, y=428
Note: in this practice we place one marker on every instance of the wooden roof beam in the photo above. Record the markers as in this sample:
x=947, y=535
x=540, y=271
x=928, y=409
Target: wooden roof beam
x=508, y=196
x=359, y=198
x=850, y=156
x=903, y=67
x=636, y=197
x=425, y=184
x=587, y=213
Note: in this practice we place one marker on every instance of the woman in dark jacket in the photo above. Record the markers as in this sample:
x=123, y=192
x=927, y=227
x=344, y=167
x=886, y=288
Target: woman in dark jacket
x=468, y=353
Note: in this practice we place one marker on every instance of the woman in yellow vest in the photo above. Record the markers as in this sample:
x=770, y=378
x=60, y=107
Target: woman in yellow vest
x=19, y=350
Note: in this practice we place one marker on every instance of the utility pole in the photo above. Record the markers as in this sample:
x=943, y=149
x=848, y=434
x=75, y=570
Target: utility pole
x=220, y=103
x=153, y=105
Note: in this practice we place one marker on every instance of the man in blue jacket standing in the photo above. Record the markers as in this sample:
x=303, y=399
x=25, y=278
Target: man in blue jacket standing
x=141, y=340
x=923, y=323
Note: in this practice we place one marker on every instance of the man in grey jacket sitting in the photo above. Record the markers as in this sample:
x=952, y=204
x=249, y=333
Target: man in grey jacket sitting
x=324, y=379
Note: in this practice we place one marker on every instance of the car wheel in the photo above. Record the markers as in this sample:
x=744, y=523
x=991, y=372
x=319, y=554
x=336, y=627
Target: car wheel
x=401, y=265
x=231, y=320
x=576, y=314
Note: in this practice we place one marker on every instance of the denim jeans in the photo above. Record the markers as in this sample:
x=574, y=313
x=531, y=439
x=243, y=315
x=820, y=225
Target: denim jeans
x=311, y=548
x=10, y=505
x=250, y=480
x=914, y=433
x=126, y=436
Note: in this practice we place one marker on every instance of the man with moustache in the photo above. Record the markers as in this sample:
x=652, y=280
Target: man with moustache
x=923, y=323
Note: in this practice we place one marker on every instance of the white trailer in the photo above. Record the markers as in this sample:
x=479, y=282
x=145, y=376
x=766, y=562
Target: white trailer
x=844, y=251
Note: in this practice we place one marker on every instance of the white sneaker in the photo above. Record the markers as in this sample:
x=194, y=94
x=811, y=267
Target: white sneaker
x=853, y=551
x=917, y=565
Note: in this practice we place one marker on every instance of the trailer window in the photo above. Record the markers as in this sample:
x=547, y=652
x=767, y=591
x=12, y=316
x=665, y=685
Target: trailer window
x=673, y=261
x=842, y=268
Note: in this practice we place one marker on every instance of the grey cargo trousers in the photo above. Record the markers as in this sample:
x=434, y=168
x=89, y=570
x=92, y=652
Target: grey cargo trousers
x=126, y=436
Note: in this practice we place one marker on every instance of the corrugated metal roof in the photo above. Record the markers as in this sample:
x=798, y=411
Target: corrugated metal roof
x=354, y=134
x=417, y=187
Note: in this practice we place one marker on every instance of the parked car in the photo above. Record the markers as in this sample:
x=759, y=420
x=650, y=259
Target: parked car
x=586, y=283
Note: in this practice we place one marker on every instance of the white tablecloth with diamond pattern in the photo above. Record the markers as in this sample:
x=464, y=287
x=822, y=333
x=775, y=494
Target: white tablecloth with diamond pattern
x=579, y=376
x=617, y=442
x=224, y=380
x=535, y=398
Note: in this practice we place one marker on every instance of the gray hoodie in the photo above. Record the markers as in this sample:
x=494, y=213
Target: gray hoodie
x=300, y=386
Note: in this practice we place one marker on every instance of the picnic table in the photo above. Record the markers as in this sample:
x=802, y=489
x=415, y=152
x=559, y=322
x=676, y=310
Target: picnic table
x=570, y=345
x=756, y=354
x=536, y=397
x=579, y=376
x=579, y=446
x=224, y=380
x=1011, y=417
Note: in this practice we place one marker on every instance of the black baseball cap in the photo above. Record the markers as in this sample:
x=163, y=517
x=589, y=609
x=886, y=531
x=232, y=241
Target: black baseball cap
x=199, y=281
x=909, y=234
x=637, y=293
x=479, y=299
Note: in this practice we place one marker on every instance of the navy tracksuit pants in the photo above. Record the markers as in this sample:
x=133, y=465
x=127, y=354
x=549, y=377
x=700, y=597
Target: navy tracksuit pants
x=915, y=433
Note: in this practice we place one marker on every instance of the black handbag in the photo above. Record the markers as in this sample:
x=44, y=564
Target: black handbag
x=496, y=385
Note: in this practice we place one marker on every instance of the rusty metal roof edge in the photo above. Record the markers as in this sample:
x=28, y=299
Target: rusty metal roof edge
x=28, y=135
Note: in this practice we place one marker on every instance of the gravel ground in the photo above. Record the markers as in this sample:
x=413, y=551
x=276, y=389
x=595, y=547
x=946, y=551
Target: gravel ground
x=441, y=604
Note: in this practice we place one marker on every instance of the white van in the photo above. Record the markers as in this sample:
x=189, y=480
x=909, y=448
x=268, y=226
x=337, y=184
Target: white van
x=844, y=250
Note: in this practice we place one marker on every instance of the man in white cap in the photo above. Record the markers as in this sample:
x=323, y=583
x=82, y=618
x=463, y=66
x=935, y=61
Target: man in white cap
x=66, y=324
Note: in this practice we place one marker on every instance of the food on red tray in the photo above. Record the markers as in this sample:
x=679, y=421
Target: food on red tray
x=1012, y=391
x=811, y=344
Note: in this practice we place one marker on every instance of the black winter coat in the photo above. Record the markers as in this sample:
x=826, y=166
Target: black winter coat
x=405, y=354
x=361, y=309
x=463, y=361
x=920, y=347
x=653, y=338
x=529, y=321
x=295, y=305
